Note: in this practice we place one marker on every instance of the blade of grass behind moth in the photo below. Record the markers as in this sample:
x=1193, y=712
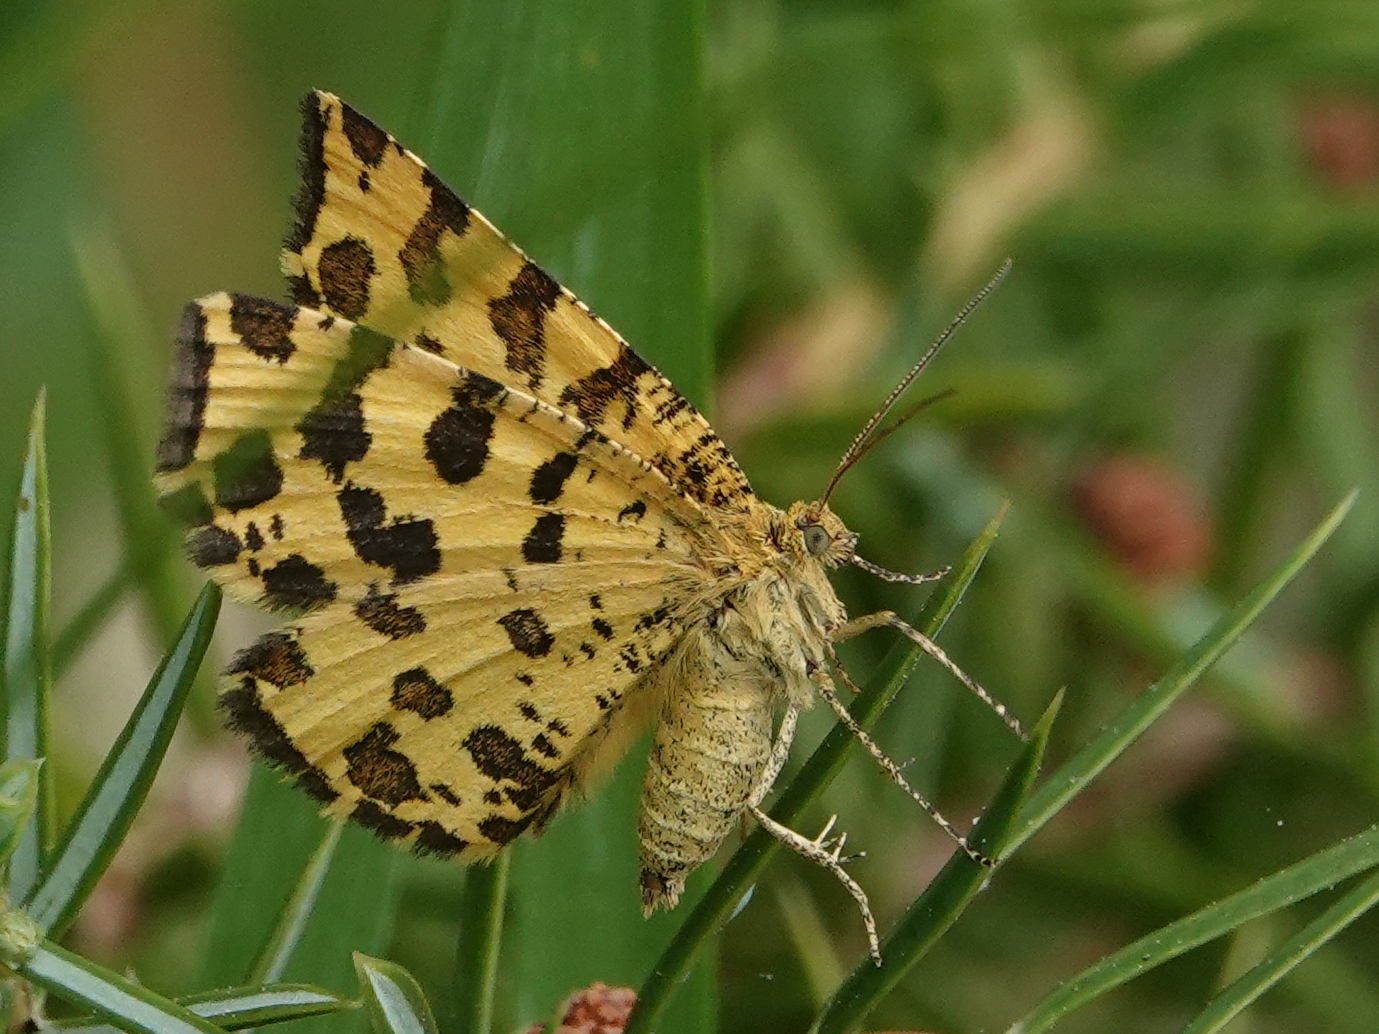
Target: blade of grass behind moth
x=747, y=861
x=119, y=788
x=946, y=897
x=393, y=998
x=1320, y=872
x=1292, y=952
x=19, y=782
x=28, y=679
x=85, y=623
x=235, y=1008
x=1108, y=745
x=127, y=1005
x=282, y=942
x=121, y=330
x=481, y=935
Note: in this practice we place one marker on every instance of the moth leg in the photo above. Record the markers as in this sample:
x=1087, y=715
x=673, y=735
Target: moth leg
x=828, y=853
x=891, y=769
x=780, y=750
x=890, y=619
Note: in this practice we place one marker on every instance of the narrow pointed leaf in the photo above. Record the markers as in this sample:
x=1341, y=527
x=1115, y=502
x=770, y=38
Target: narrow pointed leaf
x=947, y=897
x=235, y=1008
x=392, y=998
x=125, y=1004
x=1111, y=742
x=277, y=950
x=119, y=788
x=742, y=868
x=1289, y=955
x=26, y=673
x=481, y=934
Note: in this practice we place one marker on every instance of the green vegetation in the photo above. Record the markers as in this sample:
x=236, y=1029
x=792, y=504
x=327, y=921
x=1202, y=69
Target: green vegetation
x=780, y=204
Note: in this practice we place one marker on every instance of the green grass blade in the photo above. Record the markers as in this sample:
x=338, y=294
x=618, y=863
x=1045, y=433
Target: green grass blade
x=580, y=130
x=28, y=679
x=1112, y=741
x=119, y=788
x=747, y=862
x=481, y=934
x=946, y=898
x=19, y=782
x=127, y=1005
x=121, y=332
x=68, y=644
x=235, y=1008
x=1289, y=955
x=1310, y=876
x=287, y=933
x=393, y=998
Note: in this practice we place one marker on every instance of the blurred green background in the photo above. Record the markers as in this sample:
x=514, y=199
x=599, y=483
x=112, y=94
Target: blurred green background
x=1177, y=378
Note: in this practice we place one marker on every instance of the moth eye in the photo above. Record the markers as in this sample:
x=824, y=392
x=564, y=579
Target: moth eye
x=816, y=539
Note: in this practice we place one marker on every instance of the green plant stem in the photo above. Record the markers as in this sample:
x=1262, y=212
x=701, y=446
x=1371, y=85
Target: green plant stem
x=481, y=935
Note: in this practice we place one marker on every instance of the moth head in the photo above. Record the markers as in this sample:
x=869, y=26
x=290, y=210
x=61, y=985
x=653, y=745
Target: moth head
x=815, y=532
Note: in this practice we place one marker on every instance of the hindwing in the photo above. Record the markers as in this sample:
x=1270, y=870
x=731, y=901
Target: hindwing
x=480, y=579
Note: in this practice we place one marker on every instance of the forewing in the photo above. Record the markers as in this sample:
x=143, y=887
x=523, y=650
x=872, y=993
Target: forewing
x=382, y=241
x=482, y=579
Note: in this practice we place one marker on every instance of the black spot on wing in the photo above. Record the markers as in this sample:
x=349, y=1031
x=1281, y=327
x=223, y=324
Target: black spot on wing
x=420, y=255
x=504, y=760
x=615, y=383
x=212, y=546
x=264, y=327
x=379, y=771
x=435, y=839
x=406, y=545
x=528, y=633
x=333, y=432
x=457, y=440
x=345, y=269
x=275, y=658
x=543, y=543
x=429, y=344
x=367, y=141
x=382, y=613
x=548, y=480
x=445, y=793
x=633, y=511
x=246, y=715
x=311, y=165
x=603, y=628
x=253, y=538
x=295, y=582
x=246, y=474
x=275, y=527
x=503, y=831
x=416, y=691
x=383, y=823
x=188, y=384
x=519, y=317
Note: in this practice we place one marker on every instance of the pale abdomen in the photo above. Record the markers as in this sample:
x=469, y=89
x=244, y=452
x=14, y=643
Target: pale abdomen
x=709, y=750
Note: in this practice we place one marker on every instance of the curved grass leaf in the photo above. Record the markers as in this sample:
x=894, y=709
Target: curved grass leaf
x=481, y=933
x=19, y=782
x=1065, y=784
x=119, y=788
x=26, y=674
x=287, y=934
x=742, y=868
x=68, y=644
x=1310, y=876
x=393, y=998
x=235, y=1008
x=127, y=1005
x=1290, y=954
x=947, y=896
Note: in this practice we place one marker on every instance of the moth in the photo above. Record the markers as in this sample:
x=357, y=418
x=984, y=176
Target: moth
x=503, y=543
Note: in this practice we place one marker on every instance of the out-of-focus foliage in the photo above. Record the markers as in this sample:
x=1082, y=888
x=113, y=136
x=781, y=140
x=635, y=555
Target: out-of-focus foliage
x=1176, y=380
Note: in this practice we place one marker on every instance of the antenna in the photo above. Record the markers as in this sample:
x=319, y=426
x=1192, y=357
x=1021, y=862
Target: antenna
x=861, y=443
